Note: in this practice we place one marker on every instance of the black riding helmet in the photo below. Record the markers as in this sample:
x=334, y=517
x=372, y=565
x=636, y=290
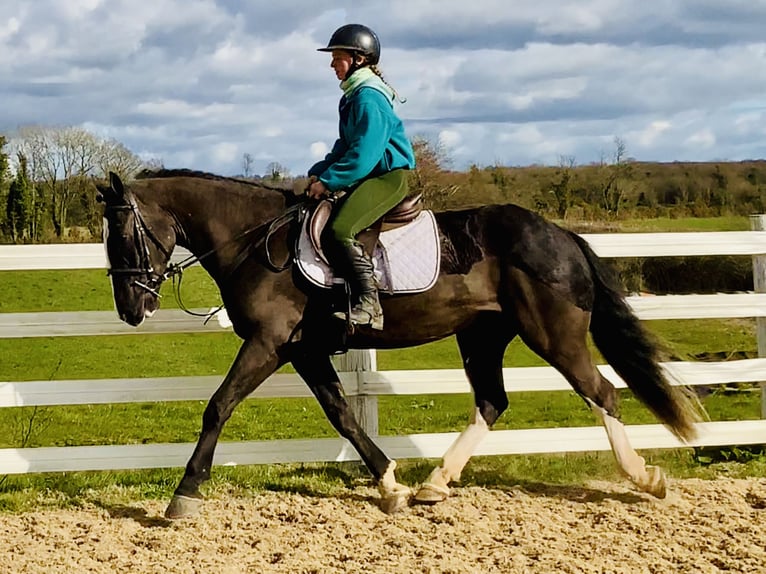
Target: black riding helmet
x=355, y=38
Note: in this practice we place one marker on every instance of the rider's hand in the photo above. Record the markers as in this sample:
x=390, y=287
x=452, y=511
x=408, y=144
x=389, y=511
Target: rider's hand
x=317, y=190
x=311, y=180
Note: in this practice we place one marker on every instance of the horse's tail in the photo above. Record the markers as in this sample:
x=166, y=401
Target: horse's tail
x=633, y=353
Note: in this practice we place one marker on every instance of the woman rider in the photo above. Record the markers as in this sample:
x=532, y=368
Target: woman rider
x=369, y=160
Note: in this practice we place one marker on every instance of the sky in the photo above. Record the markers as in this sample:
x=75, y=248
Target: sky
x=200, y=83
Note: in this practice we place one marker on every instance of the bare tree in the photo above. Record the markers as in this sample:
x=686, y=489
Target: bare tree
x=276, y=171
x=620, y=151
x=77, y=152
x=62, y=161
x=615, y=176
x=114, y=156
x=154, y=164
x=247, y=165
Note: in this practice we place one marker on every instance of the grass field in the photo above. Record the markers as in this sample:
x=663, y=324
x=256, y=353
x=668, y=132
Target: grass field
x=660, y=225
x=58, y=358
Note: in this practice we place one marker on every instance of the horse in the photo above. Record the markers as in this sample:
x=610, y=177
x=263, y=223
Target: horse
x=505, y=272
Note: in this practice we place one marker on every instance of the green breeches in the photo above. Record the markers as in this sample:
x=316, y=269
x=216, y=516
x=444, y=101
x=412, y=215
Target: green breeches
x=371, y=200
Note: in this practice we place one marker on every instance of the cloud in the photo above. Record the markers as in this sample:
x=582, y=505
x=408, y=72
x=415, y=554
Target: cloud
x=318, y=150
x=702, y=139
x=199, y=83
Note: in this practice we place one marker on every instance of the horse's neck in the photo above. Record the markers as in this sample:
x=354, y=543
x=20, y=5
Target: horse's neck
x=219, y=239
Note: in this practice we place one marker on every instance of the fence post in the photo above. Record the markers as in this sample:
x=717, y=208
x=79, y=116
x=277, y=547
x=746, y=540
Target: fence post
x=758, y=223
x=365, y=406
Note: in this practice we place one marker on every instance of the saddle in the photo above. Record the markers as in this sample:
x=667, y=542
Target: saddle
x=401, y=214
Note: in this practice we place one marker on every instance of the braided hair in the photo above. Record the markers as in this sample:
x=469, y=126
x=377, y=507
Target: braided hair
x=378, y=72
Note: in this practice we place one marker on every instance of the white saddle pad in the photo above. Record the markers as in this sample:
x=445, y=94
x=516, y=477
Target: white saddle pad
x=406, y=259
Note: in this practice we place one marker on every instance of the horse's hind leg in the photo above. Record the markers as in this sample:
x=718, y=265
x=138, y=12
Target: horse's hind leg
x=482, y=346
x=557, y=331
x=648, y=478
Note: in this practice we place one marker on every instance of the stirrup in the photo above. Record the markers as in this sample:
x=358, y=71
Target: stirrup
x=374, y=320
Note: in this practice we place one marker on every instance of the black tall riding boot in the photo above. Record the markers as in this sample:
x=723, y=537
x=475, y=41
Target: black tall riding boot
x=359, y=273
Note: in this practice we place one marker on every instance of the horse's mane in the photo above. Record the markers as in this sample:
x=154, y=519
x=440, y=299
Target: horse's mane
x=183, y=172
x=162, y=172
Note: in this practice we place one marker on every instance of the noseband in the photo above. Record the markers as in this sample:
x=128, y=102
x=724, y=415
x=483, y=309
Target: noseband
x=145, y=267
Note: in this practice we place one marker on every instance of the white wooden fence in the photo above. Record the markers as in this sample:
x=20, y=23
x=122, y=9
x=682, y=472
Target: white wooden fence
x=365, y=385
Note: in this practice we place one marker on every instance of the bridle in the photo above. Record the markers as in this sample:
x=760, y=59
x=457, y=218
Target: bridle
x=143, y=232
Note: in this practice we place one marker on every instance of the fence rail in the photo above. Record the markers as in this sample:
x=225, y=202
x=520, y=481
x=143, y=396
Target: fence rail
x=92, y=255
x=367, y=385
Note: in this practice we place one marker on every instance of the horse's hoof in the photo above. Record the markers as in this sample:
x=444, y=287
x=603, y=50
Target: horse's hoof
x=183, y=507
x=395, y=503
x=430, y=493
x=396, y=500
x=656, y=485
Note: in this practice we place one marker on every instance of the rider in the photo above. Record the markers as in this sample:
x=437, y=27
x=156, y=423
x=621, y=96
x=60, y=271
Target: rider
x=369, y=159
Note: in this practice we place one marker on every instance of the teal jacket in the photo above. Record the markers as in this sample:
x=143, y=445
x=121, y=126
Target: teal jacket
x=372, y=139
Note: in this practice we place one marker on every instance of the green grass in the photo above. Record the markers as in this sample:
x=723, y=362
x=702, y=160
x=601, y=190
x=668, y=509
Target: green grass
x=107, y=489
x=59, y=358
x=89, y=290
x=264, y=419
x=661, y=225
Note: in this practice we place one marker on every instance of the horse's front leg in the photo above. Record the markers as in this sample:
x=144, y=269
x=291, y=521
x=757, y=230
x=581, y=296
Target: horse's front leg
x=320, y=375
x=254, y=363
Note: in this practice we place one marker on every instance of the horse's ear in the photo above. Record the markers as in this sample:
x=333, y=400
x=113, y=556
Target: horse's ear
x=110, y=192
x=116, y=184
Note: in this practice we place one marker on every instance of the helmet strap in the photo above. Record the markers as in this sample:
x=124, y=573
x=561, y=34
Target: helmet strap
x=356, y=64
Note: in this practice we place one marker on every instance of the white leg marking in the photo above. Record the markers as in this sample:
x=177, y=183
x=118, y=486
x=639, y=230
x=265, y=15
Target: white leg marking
x=650, y=479
x=387, y=482
x=393, y=495
x=435, y=488
x=462, y=449
x=630, y=462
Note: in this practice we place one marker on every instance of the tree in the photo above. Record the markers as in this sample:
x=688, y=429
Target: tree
x=277, y=172
x=20, y=205
x=247, y=165
x=38, y=146
x=614, y=179
x=62, y=162
x=430, y=159
x=4, y=175
x=561, y=187
x=719, y=195
x=112, y=155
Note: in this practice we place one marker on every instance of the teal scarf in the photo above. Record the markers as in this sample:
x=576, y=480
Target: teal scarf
x=365, y=77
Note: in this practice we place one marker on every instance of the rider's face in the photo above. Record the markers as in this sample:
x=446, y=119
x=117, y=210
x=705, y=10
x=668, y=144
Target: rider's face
x=341, y=62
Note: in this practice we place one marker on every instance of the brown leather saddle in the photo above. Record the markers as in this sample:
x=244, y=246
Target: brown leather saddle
x=402, y=214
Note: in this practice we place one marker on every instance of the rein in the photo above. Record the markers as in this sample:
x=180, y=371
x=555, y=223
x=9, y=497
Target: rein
x=265, y=231
x=143, y=231
x=268, y=229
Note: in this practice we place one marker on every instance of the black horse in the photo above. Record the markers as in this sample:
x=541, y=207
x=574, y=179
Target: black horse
x=505, y=272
